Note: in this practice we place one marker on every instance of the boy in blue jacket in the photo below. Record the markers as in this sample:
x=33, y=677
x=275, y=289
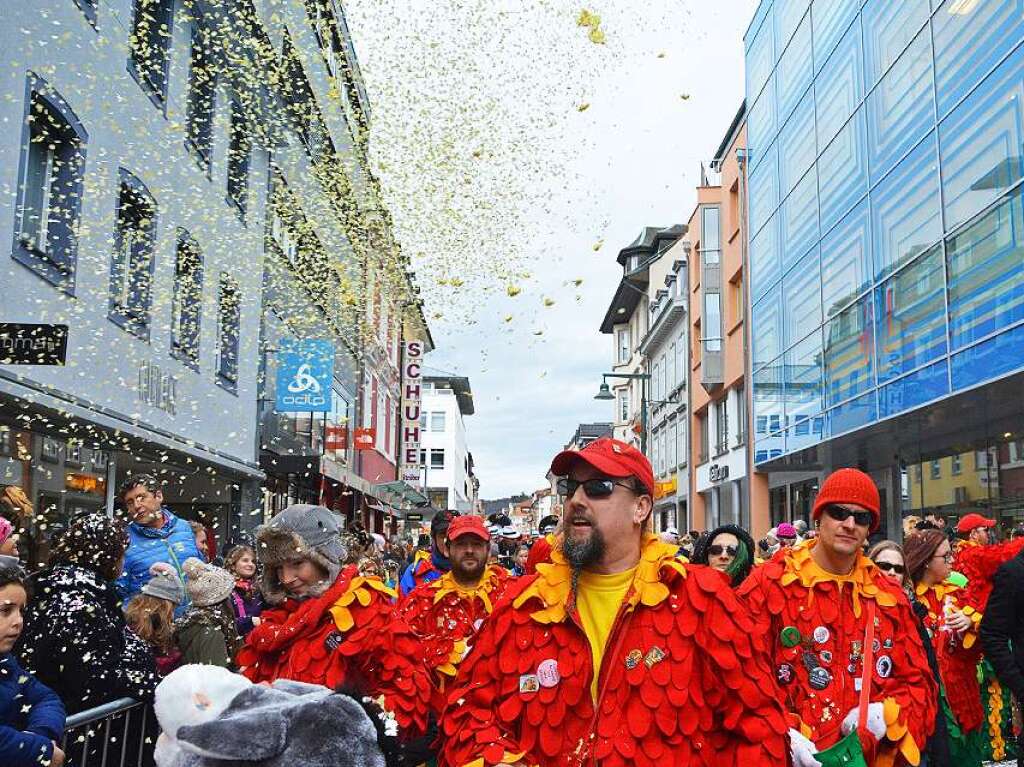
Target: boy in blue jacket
x=31, y=714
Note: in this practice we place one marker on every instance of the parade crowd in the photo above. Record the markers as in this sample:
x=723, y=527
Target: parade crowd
x=591, y=642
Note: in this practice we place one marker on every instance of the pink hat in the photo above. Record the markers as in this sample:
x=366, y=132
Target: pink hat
x=785, y=530
x=6, y=528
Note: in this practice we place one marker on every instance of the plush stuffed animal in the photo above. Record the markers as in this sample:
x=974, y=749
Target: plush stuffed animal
x=281, y=725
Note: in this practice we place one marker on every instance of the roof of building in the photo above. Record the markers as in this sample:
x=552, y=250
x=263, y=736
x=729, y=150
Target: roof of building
x=730, y=136
x=651, y=243
x=460, y=387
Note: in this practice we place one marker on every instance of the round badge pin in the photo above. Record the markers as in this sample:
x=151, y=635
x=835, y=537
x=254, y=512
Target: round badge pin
x=547, y=673
x=820, y=678
x=826, y=657
x=785, y=673
x=790, y=636
x=883, y=666
x=822, y=635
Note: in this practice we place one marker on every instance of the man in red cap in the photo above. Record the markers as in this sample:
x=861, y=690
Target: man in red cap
x=836, y=627
x=446, y=613
x=614, y=652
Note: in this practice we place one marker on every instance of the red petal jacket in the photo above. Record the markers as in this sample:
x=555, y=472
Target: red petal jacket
x=978, y=564
x=348, y=636
x=684, y=679
x=814, y=625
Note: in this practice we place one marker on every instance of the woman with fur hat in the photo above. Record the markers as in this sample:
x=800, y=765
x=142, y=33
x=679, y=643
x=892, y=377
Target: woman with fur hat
x=75, y=639
x=327, y=624
x=150, y=614
x=952, y=625
x=728, y=549
x=206, y=633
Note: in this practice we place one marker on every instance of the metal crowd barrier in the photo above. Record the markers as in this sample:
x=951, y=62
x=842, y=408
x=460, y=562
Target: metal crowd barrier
x=121, y=733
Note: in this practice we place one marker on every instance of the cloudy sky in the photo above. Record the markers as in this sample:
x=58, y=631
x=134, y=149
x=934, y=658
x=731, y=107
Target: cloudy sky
x=518, y=152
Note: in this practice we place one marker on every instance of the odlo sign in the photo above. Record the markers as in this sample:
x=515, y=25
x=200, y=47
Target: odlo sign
x=305, y=373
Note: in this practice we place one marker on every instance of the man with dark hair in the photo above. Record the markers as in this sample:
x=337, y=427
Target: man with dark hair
x=155, y=535
x=429, y=566
x=615, y=652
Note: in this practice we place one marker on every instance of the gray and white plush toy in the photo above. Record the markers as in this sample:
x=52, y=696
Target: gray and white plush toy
x=282, y=725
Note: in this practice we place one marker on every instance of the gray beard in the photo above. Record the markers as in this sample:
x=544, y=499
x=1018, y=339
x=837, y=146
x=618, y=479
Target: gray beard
x=580, y=554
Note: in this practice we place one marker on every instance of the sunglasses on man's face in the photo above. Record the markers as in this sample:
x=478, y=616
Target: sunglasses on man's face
x=717, y=551
x=594, y=488
x=891, y=567
x=840, y=514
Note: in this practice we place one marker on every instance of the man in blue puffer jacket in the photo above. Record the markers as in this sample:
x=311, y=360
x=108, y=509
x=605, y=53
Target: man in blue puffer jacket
x=155, y=535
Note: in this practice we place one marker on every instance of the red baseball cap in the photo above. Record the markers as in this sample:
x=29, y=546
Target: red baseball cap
x=610, y=457
x=973, y=521
x=468, y=524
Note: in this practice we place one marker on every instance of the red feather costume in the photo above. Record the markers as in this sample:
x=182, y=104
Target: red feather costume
x=978, y=563
x=824, y=618
x=346, y=636
x=684, y=679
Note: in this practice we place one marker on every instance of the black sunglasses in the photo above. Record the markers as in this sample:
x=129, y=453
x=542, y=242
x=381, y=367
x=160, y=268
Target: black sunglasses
x=891, y=567
x=716, y=550
x=839, y=514
x=594, y=488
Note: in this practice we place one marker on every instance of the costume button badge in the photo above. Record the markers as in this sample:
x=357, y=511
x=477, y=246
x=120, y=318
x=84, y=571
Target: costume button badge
x=547, y=673
x=654, y=655
x=822, y=635
x=883, y=666
x=790, y=636
x=785, y=673
x=634, y=658
x=820, y=678
x=826, y=657
x=529, y=683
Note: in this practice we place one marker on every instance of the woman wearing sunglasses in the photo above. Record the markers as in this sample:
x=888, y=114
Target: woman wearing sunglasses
x=888, y=557
x=728, y=549
x=953, y=628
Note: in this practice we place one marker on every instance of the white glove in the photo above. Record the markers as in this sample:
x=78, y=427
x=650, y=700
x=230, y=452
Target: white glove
x=802, y=750
x=876, y=720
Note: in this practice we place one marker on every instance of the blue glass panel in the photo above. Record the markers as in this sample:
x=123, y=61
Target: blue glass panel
x=831, y=20
x=911, y=316
x=899, y=110
x=849, y=351
x=768, y=410
x=990, y=359
x=925, y=385
x=760, y=58
x=761, y=125
x=788, y=14
x=840, y=85
x=802, y=298
x=986, y=273
x=888, y=28
x=905, y=209
x=764, y=259
x=796, y=145
x=968, y=44
x=852, y=415
x=846, y=268
x=982, y=143
x=802, y=380
x=794, y=71
x=805, y=434
x=766, y=331
x=799, y=218
x=843, y=172
x=764, y=191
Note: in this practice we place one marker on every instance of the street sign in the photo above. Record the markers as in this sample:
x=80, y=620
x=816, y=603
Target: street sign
x=305, y=372
x=22, y=344
x=413, y=517
x=365, y=438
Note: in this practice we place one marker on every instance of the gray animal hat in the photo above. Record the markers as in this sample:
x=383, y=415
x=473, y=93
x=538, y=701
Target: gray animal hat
x=299, y=532
x=164, y=583
x=207, y=584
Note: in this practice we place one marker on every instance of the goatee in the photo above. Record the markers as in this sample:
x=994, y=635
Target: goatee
x=580, y=554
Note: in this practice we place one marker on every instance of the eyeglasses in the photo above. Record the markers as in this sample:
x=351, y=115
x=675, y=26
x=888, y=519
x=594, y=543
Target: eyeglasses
x=948, y=556
x=891, y=567
x=594, y=488
x=716, y=550
x=840, y=514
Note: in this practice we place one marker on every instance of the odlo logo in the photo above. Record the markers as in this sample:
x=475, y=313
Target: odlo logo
x=304, y=388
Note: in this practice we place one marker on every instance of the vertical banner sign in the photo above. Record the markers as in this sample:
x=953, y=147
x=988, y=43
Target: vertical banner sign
x=412, y=400
x=305, y=371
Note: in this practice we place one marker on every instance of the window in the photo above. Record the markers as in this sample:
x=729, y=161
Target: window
x=229, y=317
x=131, y=268
x=623, y=395
x=670, y=361
x=681, y=442
x=49, y=186
x=623, y=344
x=423, y=421
x=798, y=218
x=847, y=270
x=656, y=382
x=186, y=307
x=437, y=458
x=150, y=46
x=238, y=159
x=800, y=295
x=202, y=88
x=957, y=464
x=741, y=416
x=936, y=469
x=842, y=172
x=437, y=421
x=702, y=424
x=712, y=322
x=839, y=87
x=721, y=427
x=670, y=445
x=710, y=233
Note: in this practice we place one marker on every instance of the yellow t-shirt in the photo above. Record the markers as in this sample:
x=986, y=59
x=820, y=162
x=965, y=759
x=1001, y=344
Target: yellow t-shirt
x=598, y=600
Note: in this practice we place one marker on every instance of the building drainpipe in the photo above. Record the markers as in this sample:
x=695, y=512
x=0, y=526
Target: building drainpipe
x=748, y=388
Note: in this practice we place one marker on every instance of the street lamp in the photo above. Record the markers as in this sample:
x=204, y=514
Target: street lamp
x=604, y=393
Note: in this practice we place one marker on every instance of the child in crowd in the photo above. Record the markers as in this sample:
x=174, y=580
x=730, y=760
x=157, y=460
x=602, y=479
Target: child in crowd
x=150, y=614
x=207, y=633
x=9, y=554
x=202, y=538
x=246, y=599
x=31, y=714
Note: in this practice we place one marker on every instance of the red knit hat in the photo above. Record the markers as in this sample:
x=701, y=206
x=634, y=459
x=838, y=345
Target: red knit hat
x=849, y=486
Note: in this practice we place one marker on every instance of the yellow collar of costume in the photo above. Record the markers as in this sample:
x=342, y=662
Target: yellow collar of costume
x=801, y=568
x=447, y=584
x=553, y=584
x=358, y=590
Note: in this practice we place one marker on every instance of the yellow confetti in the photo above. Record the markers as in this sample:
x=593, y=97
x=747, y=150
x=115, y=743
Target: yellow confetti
x=583, y=107
x=513, y=291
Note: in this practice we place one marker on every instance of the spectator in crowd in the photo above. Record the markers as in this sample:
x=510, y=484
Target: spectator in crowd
x=786, y=535
x=888, y=557
x=728, y=549
x=31, y=714
x=155, y=535
x=206, y=633
x=150, y=615
x=76, y=640
x=16, y=508
x=522, y=555
x=202, y=536
x=246, y=599
x=429, y=566
x=1002, y=632
x=9, y=554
